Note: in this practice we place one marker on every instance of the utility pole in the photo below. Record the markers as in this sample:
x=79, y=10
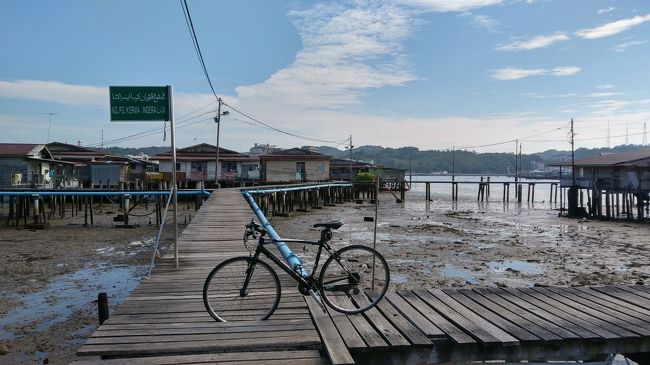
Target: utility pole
x=608, y=139
x=645, y=134
x=49, y=125
x=573, y=159
x=573, y=190
x=453, y=163
x=217, y=119
x=351, y=147
x=516, y=167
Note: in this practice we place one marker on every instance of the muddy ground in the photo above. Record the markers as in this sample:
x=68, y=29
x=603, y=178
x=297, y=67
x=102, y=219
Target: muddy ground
x=49, y=279
x=445, y=245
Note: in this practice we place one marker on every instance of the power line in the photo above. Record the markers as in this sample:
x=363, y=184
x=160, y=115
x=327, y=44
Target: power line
x=195, y=42
x=270, y=127
x=516, y=139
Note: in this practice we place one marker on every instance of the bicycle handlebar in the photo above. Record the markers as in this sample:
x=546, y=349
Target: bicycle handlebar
x=253, y=227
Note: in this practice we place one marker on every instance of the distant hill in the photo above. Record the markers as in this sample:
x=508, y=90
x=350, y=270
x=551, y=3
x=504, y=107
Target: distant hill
x=580, y=153
x=124, y=151
x=466, y=162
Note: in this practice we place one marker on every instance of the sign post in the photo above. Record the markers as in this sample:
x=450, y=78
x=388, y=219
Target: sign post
x=148, y=103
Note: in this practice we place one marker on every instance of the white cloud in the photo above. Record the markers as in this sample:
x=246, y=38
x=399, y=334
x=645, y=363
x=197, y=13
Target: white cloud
x=449, y=5
x=54, y=92
x=604, y=86
x=535, y=42
x=516, y=73
x=612, y=28
x=601, y=95
x=606, y=10
x=483, y=22
x=346, y=50
x=507, y=74
x=565, y=71
x=624, y=46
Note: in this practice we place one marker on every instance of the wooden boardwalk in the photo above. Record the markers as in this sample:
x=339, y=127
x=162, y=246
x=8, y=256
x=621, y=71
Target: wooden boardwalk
x=164, y=322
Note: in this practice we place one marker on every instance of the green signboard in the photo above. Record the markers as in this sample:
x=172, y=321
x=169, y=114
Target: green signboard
x=132, y=103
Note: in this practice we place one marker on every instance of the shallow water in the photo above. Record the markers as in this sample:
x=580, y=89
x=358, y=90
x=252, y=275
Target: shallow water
x=68, y=293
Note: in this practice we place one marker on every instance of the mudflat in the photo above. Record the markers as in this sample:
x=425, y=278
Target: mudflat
x=50, y=279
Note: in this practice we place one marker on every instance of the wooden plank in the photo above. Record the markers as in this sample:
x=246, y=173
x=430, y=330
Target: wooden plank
x=457, y=319
x=236, y=345
x=592, y=317
x=416, y=318
x=515, y=314
x=623, y=295
x=208, y=358
x=570, y=321
x=493, y=318
x=369, y=334
x=351, y=337
x=455, y=334
x=334, y=345
x=613, y=302
x=381, y=324
x=408, y=330
x=190, y=359
x=601, y=311
x=559, y=326
x=494, y=331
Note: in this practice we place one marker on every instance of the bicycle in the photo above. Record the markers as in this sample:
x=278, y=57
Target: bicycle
x=247, y=288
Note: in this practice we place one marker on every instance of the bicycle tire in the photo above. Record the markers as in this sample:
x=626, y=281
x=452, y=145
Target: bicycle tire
x=222, y=291
x=352, y=297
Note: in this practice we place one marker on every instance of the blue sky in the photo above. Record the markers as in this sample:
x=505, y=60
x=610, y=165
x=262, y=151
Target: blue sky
x=427, y=73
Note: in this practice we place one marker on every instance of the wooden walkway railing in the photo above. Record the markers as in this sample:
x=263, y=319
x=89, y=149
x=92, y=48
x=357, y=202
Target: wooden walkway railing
x=164, y=322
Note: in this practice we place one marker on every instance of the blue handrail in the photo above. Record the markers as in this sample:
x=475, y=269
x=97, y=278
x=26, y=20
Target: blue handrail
x=292, y=260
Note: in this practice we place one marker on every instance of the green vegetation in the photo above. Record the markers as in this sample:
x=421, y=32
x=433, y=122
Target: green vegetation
x=364, y=177
x=462, y=161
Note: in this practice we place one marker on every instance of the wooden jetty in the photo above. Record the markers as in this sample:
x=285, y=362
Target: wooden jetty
x=164, y=322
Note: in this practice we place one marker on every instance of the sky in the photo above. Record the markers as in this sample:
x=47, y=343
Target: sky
x=435, y=74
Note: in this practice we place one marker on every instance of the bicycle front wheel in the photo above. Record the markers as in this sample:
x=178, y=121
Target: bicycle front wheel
x=350, y=276
x=226, y=298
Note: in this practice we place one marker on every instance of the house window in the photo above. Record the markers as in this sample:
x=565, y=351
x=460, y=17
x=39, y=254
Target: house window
x=301, y=174
x=178, y=166
x=300, y=167
x=231, y=167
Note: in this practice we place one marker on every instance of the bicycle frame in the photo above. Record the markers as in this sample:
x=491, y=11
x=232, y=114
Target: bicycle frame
x=260, y=249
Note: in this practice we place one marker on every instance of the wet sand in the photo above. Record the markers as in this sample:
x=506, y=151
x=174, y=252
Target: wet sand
x=488, y=244
x=50, y=279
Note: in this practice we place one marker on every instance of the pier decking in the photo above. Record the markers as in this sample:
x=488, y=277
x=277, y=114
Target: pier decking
x=164, y=321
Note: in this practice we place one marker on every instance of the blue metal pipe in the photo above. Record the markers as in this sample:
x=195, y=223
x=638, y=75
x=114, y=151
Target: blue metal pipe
x=307, y=187
x=292, y=260
x=101, y=193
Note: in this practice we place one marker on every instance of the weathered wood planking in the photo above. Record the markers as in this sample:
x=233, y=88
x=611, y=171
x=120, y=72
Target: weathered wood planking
x=164, y=320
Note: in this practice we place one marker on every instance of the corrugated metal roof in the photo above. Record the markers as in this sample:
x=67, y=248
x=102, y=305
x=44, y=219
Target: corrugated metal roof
x=17, y=149
x=627, y=158
x=295, y=154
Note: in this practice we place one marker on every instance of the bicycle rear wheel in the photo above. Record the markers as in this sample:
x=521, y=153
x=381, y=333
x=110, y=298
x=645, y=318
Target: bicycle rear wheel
x=350, y=276
x=225, y=298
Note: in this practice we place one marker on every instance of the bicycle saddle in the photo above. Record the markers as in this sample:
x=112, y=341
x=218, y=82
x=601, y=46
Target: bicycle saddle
x=332, y=224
